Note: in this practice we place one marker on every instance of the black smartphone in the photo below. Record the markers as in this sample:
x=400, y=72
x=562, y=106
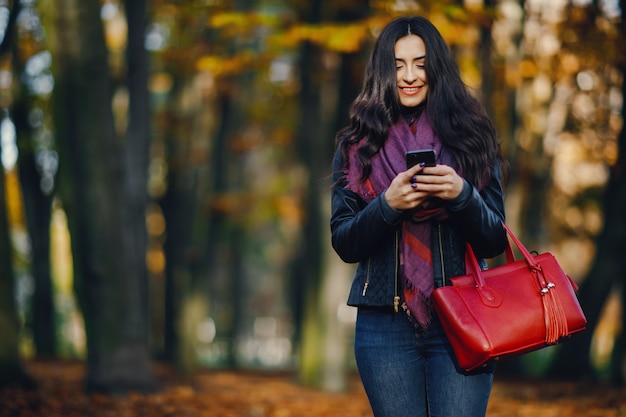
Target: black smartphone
x=427, y=156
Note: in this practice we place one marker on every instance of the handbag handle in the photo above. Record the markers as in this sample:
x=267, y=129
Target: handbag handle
x=490, y=297
x=542, y=282
x=530, y=260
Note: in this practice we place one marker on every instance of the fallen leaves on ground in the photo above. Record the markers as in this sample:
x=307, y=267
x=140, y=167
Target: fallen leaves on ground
x=214, y=393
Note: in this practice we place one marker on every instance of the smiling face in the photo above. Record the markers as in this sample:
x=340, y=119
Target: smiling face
x=410, y=53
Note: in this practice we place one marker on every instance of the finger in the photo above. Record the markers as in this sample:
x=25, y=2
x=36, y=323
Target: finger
x=429, y=179
x=414, y=170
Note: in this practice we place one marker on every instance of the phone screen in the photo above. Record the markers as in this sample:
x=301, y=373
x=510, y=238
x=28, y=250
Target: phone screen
x=423, y=155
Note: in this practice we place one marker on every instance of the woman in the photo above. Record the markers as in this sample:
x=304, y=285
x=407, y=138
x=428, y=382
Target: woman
x=407, y=228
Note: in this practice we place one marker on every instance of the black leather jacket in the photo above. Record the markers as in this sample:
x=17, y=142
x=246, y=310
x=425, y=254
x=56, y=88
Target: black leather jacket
x=370, y=235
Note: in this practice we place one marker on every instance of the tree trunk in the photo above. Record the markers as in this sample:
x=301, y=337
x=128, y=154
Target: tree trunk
x=175, y=204
x=226, y=292
x=137, y=153
x=179, y=227
x=109, y=284
x=307, y=266
x=38, y=211
x=609, y=268
x=11, y=371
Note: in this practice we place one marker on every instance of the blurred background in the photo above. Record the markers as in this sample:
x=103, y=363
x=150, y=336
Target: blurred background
x=165, y=186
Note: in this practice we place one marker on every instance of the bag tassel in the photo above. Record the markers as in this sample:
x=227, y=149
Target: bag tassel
x=555, y=319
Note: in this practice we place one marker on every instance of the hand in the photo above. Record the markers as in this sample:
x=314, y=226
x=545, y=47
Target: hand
x=440, y=181
x=411, y=188
x=402, y=193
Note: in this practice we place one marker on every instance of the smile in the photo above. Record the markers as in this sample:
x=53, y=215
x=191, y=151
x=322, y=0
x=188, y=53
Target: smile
x=411, y=90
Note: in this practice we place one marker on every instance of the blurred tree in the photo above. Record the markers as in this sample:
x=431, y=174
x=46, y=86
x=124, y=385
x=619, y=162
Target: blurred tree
x=177, y=196
x=11, y=369
x=608, y=271
x=195, y=169
x=226, y=234
x=330, y=78
x=307, y=273
x=136, y=156
x=345, y=80
x=36, y=173
x=38, y=209
x=102, y=186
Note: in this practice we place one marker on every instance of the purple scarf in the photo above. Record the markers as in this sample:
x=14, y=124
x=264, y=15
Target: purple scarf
x=416, y=254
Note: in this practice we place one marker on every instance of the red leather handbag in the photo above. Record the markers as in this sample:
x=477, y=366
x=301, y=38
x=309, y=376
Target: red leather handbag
x=508, y=310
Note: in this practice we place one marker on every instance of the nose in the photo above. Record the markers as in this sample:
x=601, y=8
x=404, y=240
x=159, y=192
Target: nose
x=410, y=75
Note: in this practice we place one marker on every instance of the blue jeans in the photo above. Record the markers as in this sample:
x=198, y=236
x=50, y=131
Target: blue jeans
x=411, y=374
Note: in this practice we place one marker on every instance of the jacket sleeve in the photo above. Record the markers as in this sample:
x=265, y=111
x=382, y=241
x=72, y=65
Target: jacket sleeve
x=479, y=216
x=357, y=227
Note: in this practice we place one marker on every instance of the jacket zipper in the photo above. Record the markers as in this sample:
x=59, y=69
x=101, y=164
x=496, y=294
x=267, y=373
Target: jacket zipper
x=367, y=278
x=396, y=298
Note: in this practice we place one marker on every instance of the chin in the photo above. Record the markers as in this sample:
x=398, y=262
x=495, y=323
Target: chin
x=411, y=103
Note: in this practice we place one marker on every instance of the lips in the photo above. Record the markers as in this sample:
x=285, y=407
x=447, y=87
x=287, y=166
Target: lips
x=410, y=91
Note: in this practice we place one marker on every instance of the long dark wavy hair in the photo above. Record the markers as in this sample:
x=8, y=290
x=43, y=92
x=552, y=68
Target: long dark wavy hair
x=458, y=118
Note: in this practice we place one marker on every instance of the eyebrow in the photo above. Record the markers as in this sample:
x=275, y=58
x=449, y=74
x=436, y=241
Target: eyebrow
x=414, y=59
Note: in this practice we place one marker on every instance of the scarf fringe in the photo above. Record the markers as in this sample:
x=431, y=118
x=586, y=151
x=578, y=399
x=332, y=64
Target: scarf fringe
x=427, y=303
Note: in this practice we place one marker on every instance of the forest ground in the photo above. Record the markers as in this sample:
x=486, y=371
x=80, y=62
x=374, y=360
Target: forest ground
x=218, y=393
